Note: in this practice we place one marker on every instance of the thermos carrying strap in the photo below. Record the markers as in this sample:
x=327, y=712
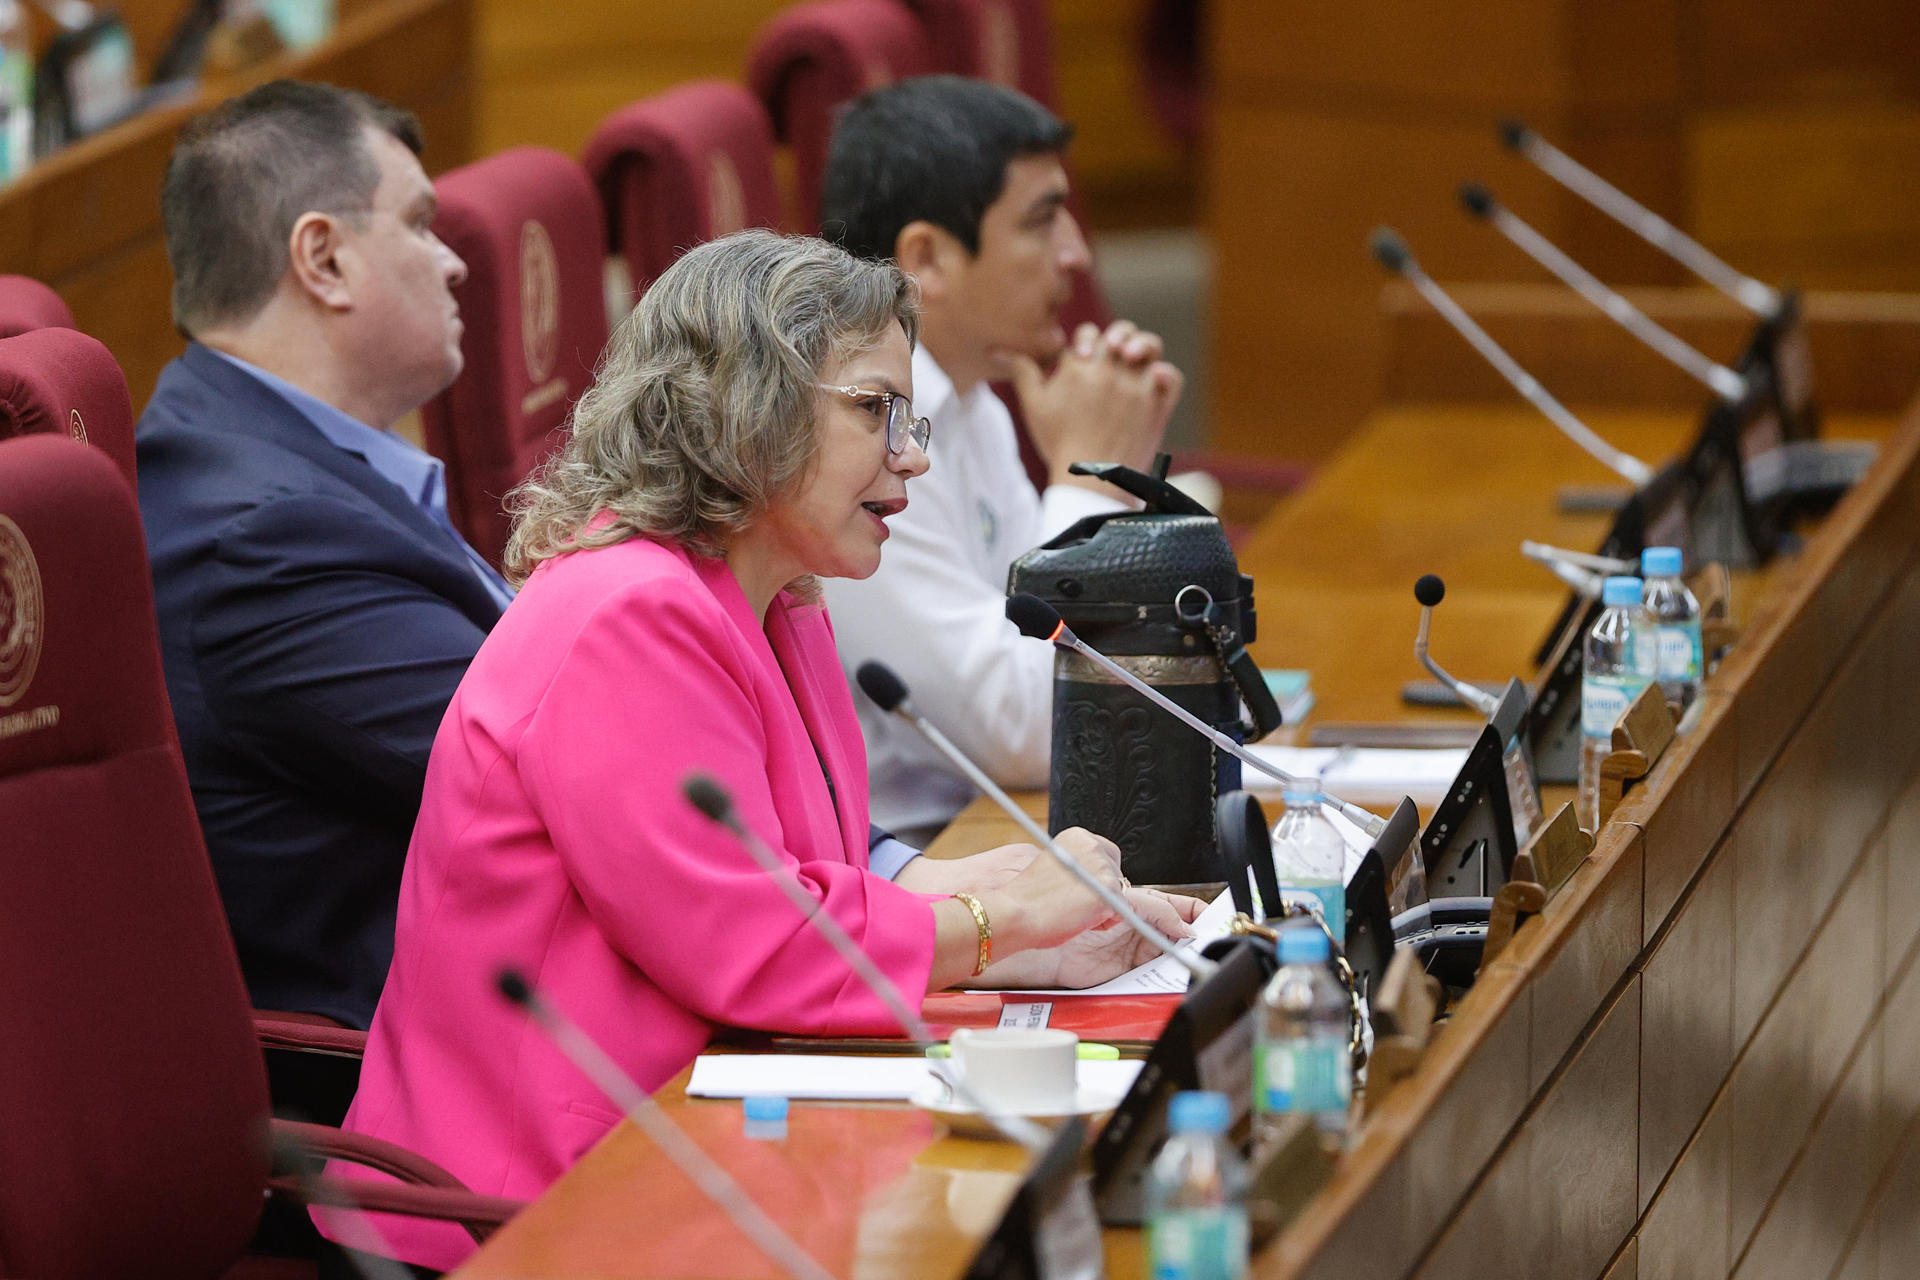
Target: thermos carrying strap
x=1197, y=610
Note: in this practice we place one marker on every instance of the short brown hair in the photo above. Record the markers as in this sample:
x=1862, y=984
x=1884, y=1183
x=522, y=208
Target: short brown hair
x=243, y=173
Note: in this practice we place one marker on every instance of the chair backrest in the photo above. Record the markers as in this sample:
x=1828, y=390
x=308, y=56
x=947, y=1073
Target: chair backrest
x=26, y=304
x=681, y=168
x=134, y=1137
x=1009, y=42
x=531, y=230
x=810, y=59
x=61, y=382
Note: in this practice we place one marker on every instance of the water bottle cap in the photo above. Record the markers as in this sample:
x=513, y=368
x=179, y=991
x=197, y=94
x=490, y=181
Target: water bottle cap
x=764, y=1107
x=1303, y=944
x=1660, y=562
x=1621, y=591
x=1198, y=1112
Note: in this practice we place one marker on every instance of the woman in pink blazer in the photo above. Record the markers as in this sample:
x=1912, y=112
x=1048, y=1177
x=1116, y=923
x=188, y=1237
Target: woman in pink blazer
x=750, y=430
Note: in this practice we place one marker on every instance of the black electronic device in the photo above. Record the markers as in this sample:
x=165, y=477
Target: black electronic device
x=1448, y=935
x=1468, y=847
x=1207, y=1044
x=84, y=81
x=1050, y=1230
x=1246, y=845
x=1369, y=925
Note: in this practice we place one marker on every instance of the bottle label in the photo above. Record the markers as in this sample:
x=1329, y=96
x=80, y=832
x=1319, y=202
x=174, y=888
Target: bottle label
x=1198, y=1244
x=1604, y=699
x=1677, y=646
x=1328, y=901
x=1308, y=1075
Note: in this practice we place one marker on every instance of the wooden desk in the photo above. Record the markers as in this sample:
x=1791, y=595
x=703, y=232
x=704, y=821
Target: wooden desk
x=1637, y=1083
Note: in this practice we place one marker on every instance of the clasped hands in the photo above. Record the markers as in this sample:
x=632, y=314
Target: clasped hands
x=1107, y=399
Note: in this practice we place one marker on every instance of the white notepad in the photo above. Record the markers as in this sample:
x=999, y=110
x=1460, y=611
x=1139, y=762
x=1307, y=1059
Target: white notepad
x=853, y=1076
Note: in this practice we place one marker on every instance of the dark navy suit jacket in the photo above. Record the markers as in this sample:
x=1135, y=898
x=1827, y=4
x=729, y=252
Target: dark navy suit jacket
x=314, y=623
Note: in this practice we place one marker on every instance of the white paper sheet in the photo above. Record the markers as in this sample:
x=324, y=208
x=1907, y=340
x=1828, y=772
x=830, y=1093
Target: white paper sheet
x=1162, y=975
x=1364, y=775
x=854, y=1076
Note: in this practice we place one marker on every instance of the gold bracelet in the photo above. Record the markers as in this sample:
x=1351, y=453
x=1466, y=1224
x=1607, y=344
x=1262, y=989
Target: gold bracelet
x=981, y=923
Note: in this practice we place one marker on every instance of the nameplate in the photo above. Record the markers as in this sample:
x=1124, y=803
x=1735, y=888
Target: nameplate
x=1640, y=737
x=1558, y=848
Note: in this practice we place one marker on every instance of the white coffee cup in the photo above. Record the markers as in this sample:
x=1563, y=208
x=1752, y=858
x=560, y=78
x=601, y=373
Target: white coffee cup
x=1024, y=1070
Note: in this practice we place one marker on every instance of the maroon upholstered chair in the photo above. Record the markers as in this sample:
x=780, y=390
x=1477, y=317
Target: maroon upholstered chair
x=26, y=304
x=681, y=168
x=1009, y=42
x=61, y=382
x=136, y=1138
x=532, y=233
x=810, y=59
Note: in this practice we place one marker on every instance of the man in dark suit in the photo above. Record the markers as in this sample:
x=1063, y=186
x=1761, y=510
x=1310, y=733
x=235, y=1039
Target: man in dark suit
x=316, y=606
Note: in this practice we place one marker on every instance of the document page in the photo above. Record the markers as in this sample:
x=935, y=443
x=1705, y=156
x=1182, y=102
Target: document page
x=1163, y=975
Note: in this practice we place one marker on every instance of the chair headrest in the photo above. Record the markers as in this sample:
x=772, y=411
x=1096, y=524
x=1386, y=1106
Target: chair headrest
x=61, y=382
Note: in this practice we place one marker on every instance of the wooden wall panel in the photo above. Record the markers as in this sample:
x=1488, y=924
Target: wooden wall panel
x=1684, y=1232
x=1800, y=1049
x=1864, y=346
x=1803, y=177
x=549, y=72
x=1687, y=1021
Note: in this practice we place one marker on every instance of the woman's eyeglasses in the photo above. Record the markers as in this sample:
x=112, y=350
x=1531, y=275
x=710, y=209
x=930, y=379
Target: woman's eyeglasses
x=902, y=426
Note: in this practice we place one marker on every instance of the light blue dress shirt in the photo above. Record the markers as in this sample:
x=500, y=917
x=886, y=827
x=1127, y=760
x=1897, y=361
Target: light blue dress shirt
x=419, y=475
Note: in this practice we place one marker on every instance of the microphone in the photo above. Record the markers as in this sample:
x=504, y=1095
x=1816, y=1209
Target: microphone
x=624, y=1092
x=1722, y=381
x=1393, y=254
x=1430, y=591
x=1580, y=570
x=1036, y=618
x=1759, y=298
x=889, y=693
x=713, y=802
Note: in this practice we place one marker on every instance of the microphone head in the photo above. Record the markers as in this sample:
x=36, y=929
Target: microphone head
x=1034, y=616
x=1390, y=250
x=1477, y=199
x=1514, y=134
x=878, y=682
x=514, y=986
x=1430, y=590
x=708, y=796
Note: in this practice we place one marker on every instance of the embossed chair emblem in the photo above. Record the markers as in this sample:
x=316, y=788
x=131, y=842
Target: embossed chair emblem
x=22, y=613
x=539, y=301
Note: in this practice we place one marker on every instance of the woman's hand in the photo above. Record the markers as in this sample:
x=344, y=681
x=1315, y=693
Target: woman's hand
x=1095, y=955
x=1046, y=904
x=975, y=874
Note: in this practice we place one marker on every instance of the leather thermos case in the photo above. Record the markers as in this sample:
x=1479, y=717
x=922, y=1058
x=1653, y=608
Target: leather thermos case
x=1159, y=592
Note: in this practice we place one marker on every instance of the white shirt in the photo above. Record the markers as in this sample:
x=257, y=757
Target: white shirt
x=936, y=611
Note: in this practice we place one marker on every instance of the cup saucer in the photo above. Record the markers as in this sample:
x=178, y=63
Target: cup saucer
x=937, y=1098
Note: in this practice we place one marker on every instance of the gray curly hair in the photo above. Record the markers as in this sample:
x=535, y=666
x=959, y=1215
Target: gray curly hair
x=701, y=412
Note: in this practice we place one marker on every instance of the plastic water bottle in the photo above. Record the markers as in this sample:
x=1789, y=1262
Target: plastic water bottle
x=1301, y=1064
x=1197, y=1196
x=1618, y=666
x=1675, y=618
x=16, y=91
x=1310, y=858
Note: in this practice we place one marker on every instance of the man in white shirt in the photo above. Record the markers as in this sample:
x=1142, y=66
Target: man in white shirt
x=961, y=183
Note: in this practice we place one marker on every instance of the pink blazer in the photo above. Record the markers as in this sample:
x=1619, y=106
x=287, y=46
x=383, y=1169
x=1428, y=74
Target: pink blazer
x=553, y=836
